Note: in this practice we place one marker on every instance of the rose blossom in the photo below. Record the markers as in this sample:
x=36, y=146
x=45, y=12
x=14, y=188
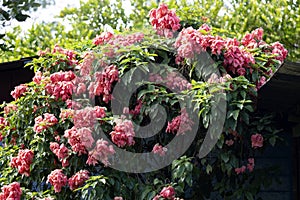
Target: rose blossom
x=257, y=140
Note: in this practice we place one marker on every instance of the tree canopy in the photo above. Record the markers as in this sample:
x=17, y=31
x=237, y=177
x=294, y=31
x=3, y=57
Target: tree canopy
x=279, y=19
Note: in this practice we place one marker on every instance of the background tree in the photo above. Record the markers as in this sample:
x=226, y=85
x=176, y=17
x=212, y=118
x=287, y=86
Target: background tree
x=18, y=10
x=279, y=19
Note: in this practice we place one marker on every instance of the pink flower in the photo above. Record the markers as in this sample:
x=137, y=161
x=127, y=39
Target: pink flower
x=118, y=198
x=100, y=153
x=261, y=82
x=164, y=21
x=70, y=54
x=158, y=149
x=240, y=170
x=180, y=124
x=137, y=108
x=11, y=192
x=38, y=77
x=86, y=65
x=279, y=51
x=229, y=142
x=103, y=38
x=61, y=151
x=257, y=140
x=19, y=91
x=103, y=83
x=252, y=40
x=86, y=137
x=23, y=161
x=74, y=139
x=78, y=179
x=123, y=133
x=58, y=179
x=61, y=85
x=100, y=111
x=237, y=59
x=250, y=165
x=9, y=108
x=44, y=123
x=205, y=27
x=168, y=192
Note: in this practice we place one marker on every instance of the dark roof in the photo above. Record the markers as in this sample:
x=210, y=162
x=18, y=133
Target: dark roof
x=282, y=92
x=15, y=64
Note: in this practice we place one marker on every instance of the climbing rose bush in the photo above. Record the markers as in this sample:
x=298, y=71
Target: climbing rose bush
x=51, y=147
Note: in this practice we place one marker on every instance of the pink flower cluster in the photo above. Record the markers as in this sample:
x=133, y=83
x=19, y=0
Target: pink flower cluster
x=78, y=179
x=250, y=167
x=137, y=108
x=180, y=124
x=61, y=151
x=23, y=161
x=19, y=91
x=86, y=65
x=126, y=40
x=44, y=123
x=160, y=150
x=10, y=108
x=214, y=78
x=261, y=82
x=173, y=81
x=237, y=59
x=166, y=193
x=279, y=51
x=254, y=39
x=79, y=139
x=118, y=198
x=103, y=38
x=61, y=85
x=11, y=192
x=257, y=140
x=38, y=77
x=70, y=54
x=116, y=41
x=123, y=133
x=87, y=117
x=101, y=152
x=103, y=83
x=164, y=20
x=58, y=179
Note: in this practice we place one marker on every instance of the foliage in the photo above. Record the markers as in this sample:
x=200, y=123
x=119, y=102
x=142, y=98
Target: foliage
x=53, y=118
x=18, y=10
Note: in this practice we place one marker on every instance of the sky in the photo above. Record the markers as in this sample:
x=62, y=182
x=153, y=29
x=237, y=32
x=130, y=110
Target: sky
x=46, y=14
